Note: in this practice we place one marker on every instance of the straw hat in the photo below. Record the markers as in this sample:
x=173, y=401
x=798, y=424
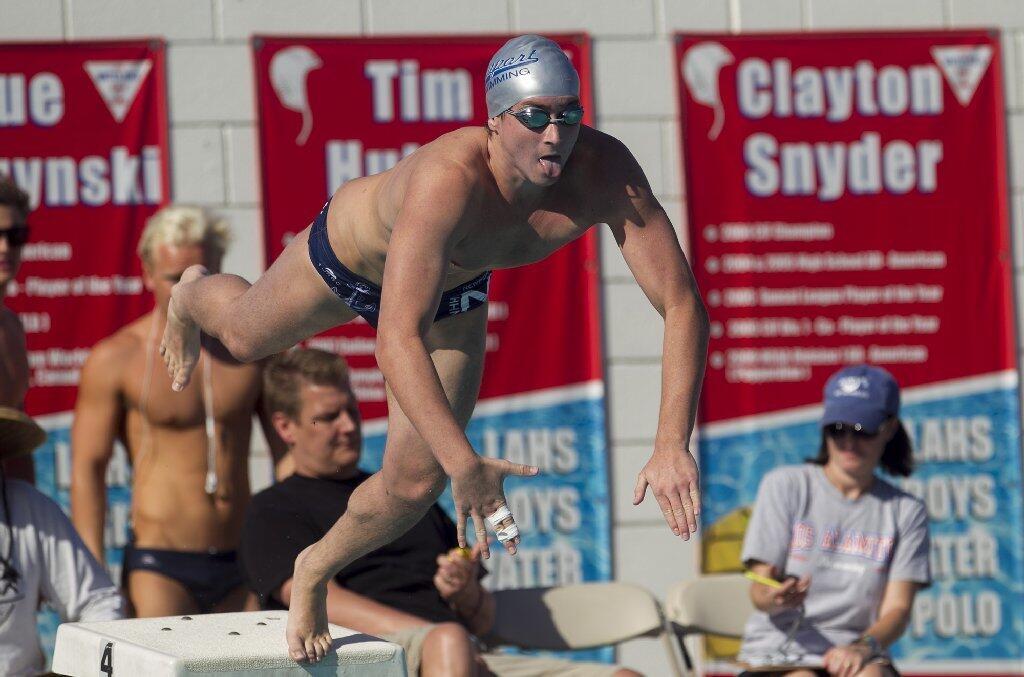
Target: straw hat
x=19, y=434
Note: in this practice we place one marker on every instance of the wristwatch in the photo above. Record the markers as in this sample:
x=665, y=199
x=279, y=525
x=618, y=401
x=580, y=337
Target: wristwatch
x=872, y=644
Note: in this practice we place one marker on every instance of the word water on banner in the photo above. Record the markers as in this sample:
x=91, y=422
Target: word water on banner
x=83, y=131
x=848, y=203
x=334, y=110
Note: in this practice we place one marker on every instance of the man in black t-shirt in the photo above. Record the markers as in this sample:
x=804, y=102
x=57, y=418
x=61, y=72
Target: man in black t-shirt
x=419, y=591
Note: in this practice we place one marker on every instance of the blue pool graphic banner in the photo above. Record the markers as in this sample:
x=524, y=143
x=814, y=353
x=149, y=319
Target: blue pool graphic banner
x=872, y=228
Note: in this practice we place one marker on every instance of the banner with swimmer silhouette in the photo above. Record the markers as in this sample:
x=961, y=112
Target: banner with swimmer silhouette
x=336, y=109
x=848, y=203
x=83, y=131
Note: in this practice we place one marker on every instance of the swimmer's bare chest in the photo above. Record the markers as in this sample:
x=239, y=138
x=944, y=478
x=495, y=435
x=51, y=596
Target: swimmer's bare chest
x=153, y=410
x=497, y=238
x=511, y=243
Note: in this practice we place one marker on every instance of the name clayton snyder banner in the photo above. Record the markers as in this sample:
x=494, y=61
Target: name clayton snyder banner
x=847, y=202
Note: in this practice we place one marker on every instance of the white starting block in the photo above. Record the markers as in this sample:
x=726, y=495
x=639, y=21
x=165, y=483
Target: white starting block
x=226, y=645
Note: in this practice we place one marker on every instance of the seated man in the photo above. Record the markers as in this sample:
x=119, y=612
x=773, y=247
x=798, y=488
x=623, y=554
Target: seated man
x=419, y=592
x=42, y=558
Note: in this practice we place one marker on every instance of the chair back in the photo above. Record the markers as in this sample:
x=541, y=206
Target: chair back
x=580, y=616
x=717, y=605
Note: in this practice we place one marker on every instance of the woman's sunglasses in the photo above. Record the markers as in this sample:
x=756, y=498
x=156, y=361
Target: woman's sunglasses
x=535, y=118
x=837, y=431
x=16, y=236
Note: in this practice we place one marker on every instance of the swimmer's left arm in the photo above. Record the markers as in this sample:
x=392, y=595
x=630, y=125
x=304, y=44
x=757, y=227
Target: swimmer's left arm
x=651, y=250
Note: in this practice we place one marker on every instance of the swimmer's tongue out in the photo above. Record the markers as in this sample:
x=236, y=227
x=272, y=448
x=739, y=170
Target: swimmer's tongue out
x=552, y=165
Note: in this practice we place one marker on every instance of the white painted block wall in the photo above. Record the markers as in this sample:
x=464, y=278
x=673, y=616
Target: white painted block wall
x=214, y=147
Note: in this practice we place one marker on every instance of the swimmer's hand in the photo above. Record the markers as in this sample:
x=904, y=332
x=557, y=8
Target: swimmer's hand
x=477, y=488
x=674, y=481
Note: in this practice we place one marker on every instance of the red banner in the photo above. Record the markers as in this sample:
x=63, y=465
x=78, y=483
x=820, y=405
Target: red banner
x=847, y=202
x=83, y=130
x=331, y=110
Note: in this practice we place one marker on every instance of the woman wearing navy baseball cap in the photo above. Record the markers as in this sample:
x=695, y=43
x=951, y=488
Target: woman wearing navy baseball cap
x=840, y=551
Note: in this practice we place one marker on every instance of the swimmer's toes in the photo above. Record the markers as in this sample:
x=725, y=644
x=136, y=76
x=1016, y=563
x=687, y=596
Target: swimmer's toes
x=181, y=378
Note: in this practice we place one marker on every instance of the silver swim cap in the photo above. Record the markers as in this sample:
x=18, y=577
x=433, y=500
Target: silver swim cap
x=530, y=65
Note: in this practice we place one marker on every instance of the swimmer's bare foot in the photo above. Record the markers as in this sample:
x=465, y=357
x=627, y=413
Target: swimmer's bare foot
x=308, y=636
x=180, y=344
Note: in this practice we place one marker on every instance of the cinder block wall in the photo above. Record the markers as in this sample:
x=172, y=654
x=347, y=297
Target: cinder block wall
x=214, y=157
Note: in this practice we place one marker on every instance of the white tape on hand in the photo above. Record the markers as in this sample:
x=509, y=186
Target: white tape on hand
x=495, y=519
x=507, y=534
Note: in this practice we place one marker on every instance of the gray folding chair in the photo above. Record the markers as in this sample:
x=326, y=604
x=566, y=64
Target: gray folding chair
x=582, y=616
x=710, y=605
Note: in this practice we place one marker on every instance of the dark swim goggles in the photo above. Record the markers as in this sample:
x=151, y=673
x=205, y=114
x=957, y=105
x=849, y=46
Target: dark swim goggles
x=536, y=118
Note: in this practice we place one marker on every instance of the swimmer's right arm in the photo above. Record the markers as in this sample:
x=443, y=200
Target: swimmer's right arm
x=98, y=418
x=437, y=212
x=425, y=233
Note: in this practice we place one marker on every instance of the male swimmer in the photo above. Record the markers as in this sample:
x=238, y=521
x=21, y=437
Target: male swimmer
x=473, y=200
x=189, y=450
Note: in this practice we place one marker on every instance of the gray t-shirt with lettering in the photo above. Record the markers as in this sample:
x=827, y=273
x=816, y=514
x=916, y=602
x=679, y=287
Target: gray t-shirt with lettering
x=851, y=548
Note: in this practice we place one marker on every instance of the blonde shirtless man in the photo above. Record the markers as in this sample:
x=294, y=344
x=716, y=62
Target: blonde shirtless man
x=189, y=449
x=474, y=200
x=13, y=352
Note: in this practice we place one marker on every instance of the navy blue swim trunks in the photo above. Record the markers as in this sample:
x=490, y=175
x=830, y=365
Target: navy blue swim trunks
x=208, y=576
x=363, y=296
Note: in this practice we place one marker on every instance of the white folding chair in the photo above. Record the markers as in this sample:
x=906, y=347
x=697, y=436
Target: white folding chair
x=582, y=616
x=711, y=605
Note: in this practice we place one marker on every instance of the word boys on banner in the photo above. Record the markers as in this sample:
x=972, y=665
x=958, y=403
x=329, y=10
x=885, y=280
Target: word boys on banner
x=83, y=131
x=847, y=203
x=332, y=110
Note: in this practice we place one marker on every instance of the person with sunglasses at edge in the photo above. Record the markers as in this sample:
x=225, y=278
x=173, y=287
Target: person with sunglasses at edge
x=850, y=548
x=475, y=199
x=14, y=210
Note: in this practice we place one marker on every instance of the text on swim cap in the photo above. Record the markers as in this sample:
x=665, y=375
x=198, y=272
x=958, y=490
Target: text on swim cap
x=503, y=65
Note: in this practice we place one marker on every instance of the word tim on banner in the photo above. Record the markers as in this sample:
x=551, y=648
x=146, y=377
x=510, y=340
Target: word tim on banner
x=847, y=203
x=83, y=131
x=333, y=110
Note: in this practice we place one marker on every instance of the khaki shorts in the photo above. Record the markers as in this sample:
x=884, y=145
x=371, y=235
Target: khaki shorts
x=503, y=665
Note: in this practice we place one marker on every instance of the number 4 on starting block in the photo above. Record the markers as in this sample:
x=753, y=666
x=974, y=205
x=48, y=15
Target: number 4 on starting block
x=226, y=645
